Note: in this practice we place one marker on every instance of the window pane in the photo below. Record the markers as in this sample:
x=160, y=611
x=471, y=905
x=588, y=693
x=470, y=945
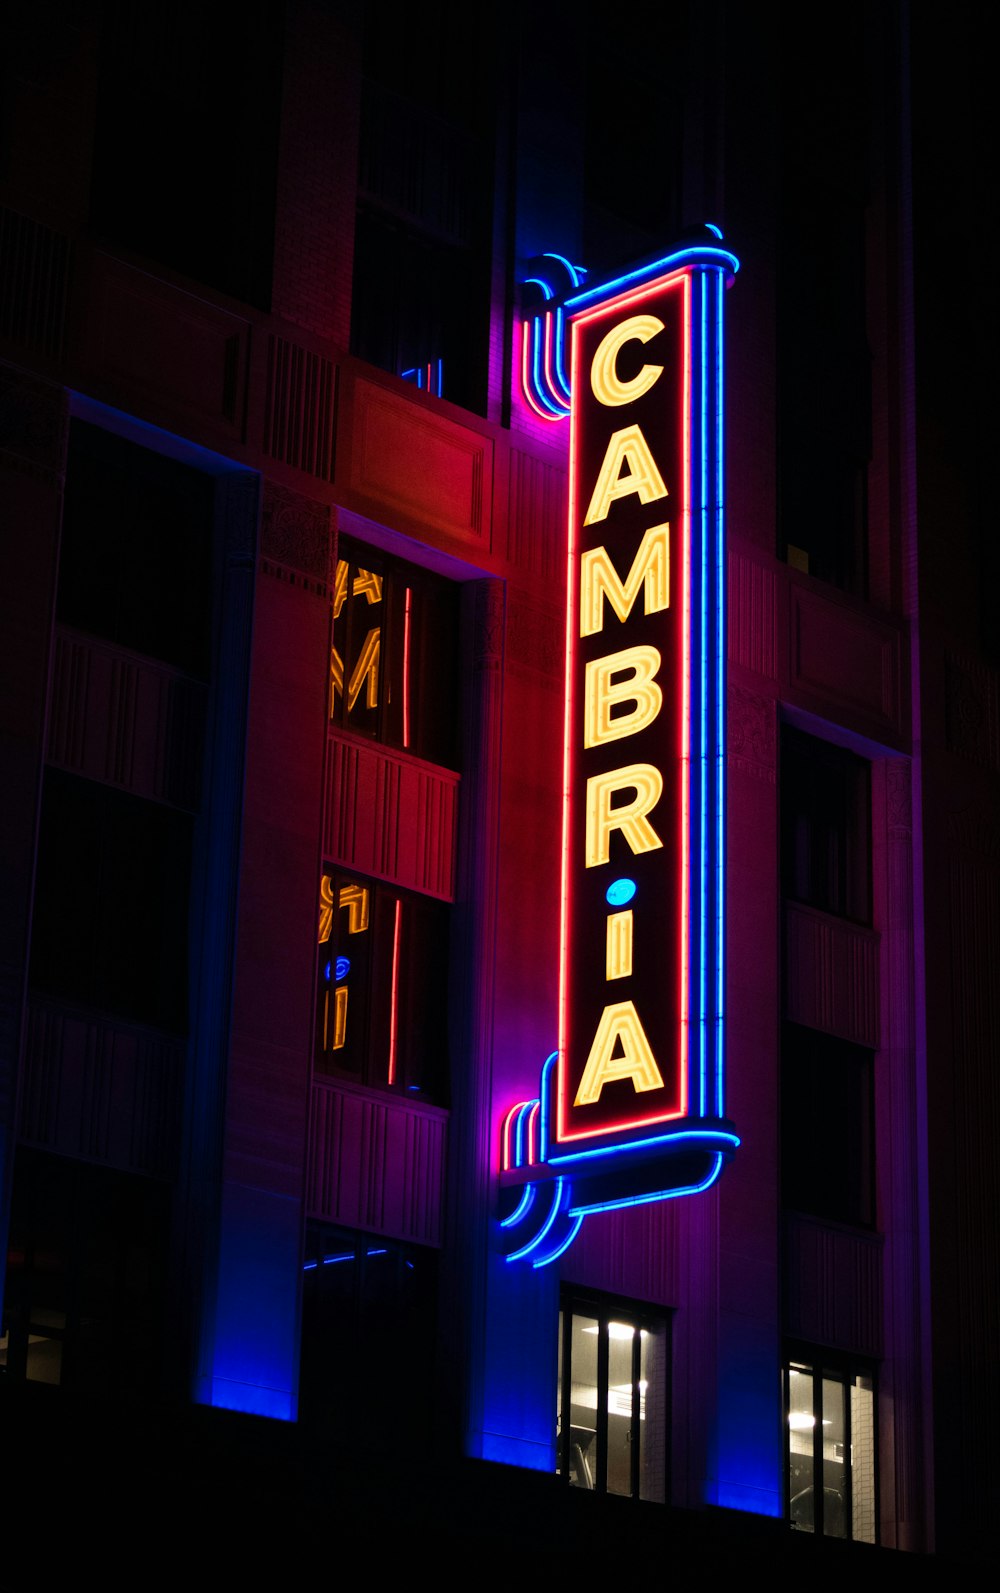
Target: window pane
x=347, y=928
x=801, y=1426
x=825, y=826
x=382, y=986
x=863, y=1460
x=621, y=1336
x=135, y=560
x=583, y=1404
x=111, y=902
x=653, y=1414
x=369, y=1324
x=835, y=1502
x=394, y=626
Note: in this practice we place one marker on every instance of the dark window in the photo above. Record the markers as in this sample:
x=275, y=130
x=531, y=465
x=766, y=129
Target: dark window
x=417, y=300
x=369, y=1328
x=824, y=360
x=633, y=138
x=394, y=661
x=827, y=1143
x=111, y=902
x=85, y=1295
x=186, y=138
x=381, y=1010
x=135, y=560
x=825, y=826
x=832, y=1453
x=613, y=1398
x=421, y=288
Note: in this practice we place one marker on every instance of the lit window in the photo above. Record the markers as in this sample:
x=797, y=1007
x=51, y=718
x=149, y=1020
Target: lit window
x=612, y=1400
x=393, y=657
x=381, y=1013
x=831, y=1452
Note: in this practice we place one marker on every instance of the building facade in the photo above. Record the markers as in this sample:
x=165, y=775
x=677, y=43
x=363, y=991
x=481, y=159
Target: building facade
x=284, y=609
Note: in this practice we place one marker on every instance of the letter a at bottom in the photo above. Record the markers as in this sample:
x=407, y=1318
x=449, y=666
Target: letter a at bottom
x=619, y=1024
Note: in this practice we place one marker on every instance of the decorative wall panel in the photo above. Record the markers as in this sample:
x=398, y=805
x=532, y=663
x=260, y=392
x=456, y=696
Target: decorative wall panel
x=751, y=615
x=832, y=975
x=295, y=532
x=102, y=1090
x=126, y=720
x=632, y=1253
x=752, y=734
x=299, y=409
x=846, y=656
x=536, y=518
x=391, y=816
x=430, y=469
x=154, y=338
x=34, y=276
x=972, y=710
x=376, y=1162
x=834, y=1286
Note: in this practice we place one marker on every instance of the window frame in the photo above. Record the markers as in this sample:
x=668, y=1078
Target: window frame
x=416, y=621
x=605, y=1309
x=847, y=1372
x=387, y=1044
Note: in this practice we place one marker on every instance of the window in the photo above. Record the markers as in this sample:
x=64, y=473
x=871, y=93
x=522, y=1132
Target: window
x=831, y=1470
x=86, y=1282
x=381, y=1013
x=186, y=137
x=394, y=657
x=827, y=1112
x=825, y=826
x=824, y=360
x=369, y=1329
x=422, y=242
x=135, y=557
x=110, y=917
x=612, y=1399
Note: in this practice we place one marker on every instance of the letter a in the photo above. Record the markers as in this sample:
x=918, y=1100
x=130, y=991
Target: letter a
x=619, y=1023
x=626, y=447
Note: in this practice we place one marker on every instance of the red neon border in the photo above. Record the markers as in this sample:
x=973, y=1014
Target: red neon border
x=627, y=301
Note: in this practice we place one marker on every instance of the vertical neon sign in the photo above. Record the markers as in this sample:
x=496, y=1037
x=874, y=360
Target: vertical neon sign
x=632, y=1102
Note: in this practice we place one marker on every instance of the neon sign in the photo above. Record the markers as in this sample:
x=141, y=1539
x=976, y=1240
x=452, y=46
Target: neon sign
x=631, y=1106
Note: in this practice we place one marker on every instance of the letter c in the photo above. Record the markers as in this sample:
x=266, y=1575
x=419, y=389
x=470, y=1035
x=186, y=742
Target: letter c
x=605, y=382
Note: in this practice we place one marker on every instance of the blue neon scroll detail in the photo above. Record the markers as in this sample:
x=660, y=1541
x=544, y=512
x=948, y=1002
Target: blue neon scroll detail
x=546, y=385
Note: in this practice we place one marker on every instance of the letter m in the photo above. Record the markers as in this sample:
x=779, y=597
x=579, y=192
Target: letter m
x=599, y=580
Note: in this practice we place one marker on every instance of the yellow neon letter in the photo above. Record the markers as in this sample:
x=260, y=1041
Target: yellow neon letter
x=365, y=671
x=339, y=1018
x=630, y=818
x=355, y=899
x=619, y=1024
x=325, y=908
x=339, y=587
x=601, y=694
x=367, y=582
x=626, y=447
x=599, y=580
x=608, y=388
x=618, y=949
